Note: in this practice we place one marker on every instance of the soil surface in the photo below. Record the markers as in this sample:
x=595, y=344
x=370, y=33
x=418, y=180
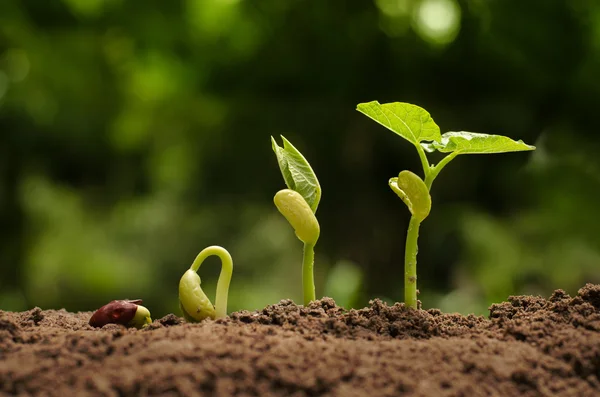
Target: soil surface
x=529, y=346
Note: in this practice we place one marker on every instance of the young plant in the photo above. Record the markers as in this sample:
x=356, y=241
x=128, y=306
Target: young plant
x=298, y=204
x=416, y=126
x=193, y=302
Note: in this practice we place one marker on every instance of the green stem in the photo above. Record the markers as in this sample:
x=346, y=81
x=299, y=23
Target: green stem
x=224, y=276
x=424, y=161
x=410, y=263
x=308, y=280
x=435, y=170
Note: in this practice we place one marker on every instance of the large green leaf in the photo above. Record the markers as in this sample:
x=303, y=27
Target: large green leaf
x=470, y=142
x=297, y=173
x=411, y=122
x=413, y=191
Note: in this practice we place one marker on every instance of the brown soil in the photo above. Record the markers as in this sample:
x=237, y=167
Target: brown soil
x=529, y=346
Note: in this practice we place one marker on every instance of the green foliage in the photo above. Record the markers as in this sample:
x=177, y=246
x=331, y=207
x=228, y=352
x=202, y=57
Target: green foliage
x=463, y=142
x=415, y=125
x=297, y=173
x=411, y=122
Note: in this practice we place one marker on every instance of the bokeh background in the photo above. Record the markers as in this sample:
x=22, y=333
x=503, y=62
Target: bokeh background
x=135, y=133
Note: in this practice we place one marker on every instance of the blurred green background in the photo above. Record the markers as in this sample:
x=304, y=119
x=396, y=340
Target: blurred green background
x=135, y=133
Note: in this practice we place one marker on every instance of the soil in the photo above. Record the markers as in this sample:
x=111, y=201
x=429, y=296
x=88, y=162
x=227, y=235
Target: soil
x=529, y=346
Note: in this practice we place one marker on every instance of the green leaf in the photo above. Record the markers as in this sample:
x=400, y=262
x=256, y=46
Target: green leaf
x=413, y=191
x=411, y=122
x=297, y=173
x=473, y=143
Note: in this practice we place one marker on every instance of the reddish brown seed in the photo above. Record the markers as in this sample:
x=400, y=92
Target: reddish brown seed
x=115, y=312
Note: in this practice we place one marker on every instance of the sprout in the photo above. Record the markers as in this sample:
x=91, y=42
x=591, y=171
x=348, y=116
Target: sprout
x=194, y=303
x=416, y=126
x=298, y=204
x=129, y=313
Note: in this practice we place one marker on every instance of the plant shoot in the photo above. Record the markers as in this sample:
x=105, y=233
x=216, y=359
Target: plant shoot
x=414, y=124
x=194, y=303
x=298, y=204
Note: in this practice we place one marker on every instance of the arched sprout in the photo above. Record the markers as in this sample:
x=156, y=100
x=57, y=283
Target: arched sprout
x=194, y=303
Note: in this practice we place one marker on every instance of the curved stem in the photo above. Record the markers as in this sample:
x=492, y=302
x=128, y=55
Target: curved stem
x=410, y=263
x=308, y=280
x=424, y=161
x=224, y=276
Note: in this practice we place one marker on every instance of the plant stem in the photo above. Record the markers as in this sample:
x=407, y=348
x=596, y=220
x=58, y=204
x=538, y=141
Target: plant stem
x=411, y=249
x=410, y=263
x=424, y=161
x=308, y=280
x=224, y=276
x=435, y=170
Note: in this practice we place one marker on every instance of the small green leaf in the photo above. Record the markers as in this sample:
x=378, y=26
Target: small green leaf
x=413, y=191
x=411, y=122
x=297, y=173
x=473, y=143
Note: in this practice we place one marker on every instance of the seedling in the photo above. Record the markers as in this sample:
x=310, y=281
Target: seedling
x=129, y=313
x=416, y=126
x=193, y=302
x=298, y=204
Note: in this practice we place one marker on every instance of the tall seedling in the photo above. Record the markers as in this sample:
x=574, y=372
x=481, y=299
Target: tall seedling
x=298, y=204
x=416, y=126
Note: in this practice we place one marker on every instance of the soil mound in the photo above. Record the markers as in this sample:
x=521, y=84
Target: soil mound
x=529, y=346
